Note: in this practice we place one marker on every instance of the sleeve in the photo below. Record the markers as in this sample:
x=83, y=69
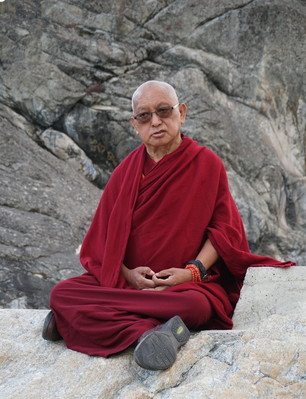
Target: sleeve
x=227, y=234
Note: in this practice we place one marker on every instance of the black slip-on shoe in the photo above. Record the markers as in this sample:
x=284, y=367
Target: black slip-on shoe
x=50, y=332
x=158, y=347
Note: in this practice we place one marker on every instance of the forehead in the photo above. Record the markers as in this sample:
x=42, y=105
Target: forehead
x=152, y=96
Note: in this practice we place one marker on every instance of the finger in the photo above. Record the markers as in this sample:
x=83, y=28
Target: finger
x=161, y=288
x=146, y=270
x=160, y=281
x=162, y=273
x=148, y=283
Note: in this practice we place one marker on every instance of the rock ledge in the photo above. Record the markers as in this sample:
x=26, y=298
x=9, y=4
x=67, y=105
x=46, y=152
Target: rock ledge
x=264, y=358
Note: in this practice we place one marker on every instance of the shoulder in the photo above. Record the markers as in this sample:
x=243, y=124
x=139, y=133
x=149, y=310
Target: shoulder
x=123, y=174
x=128, y=165
x=206, y=160
x=202, y=153
x=137, y=153
x=210, y=155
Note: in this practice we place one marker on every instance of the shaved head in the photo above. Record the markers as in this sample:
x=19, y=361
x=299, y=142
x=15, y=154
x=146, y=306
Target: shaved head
x=163, y=86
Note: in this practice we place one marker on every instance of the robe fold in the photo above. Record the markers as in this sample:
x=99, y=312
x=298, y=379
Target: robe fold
x=162, y=220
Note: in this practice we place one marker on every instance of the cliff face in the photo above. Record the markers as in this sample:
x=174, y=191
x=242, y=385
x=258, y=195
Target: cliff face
x=68, y=70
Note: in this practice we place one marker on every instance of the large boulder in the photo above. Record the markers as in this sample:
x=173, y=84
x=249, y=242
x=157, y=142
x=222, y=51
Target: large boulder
x=45, y=207
x=266, y=359
x=268, y=291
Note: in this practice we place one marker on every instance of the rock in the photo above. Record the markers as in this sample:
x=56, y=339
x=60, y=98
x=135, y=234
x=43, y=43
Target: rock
x=265, y=360
x=101, y=132
x=268, y=291
x=65, y=148
x=19, y=122
x=71, y=67
x=46, y=207
x=43, y=94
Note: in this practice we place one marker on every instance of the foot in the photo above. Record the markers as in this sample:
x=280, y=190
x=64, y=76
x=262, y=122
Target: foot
x=158, y=348
x=50, y=332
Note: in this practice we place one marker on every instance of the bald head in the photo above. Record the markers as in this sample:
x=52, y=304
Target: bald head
x=153, y=84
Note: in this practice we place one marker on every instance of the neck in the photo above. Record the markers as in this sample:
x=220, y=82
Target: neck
x=157, y=153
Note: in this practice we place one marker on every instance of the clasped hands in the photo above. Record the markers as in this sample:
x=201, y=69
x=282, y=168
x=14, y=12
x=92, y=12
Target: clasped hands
x=143, y=278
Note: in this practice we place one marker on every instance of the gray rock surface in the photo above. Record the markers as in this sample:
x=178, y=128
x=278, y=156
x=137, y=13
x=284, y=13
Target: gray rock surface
x=271, y=291
x=265, y=360
x=68, y=69
x=45, y=208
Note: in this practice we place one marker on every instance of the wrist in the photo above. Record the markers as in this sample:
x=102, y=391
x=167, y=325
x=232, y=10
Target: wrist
x=198, y=267
x=195, y=274
x=190, y=276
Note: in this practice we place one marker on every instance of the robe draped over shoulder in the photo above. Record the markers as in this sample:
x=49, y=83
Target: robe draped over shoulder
x=162, y=221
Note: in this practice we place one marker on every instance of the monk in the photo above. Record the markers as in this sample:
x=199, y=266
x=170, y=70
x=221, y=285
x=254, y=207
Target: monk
x=166, y=252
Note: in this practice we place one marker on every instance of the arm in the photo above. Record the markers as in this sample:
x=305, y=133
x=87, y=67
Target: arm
x=208, y=255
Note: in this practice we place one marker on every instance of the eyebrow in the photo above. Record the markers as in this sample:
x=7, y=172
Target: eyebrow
x=144, y=108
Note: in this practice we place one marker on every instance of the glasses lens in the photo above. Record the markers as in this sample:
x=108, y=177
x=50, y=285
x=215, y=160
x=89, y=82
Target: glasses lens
x=144, y=117
x=164, y=112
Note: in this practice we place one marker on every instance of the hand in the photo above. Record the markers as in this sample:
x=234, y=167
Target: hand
x=170, y=277
x=139, y=278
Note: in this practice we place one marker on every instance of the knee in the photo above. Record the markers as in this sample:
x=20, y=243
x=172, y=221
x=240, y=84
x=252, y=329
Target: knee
x=57, y=292
x=199, y=309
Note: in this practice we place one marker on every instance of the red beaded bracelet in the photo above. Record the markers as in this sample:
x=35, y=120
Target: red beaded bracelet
x=200, y=267
x=195, y=273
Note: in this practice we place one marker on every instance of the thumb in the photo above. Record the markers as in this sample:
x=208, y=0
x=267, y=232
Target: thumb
x=149, y=271
x=163, y=273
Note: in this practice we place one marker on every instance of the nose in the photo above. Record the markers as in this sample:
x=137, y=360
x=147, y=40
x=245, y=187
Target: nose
x=156, y=120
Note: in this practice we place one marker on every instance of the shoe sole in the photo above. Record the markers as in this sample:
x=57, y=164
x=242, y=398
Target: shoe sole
x=158, y=350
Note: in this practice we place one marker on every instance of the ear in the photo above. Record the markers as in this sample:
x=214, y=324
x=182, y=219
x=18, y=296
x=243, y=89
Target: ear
x=134, y=124
x=183, y=112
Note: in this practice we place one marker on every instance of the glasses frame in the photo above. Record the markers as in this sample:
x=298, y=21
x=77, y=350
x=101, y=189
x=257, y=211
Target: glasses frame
x=155, y=112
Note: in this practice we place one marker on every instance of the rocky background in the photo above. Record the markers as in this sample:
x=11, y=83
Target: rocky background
x=68, y=69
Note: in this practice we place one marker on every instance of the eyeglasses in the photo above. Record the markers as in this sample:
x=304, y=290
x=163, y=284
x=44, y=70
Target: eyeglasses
x=162, y=112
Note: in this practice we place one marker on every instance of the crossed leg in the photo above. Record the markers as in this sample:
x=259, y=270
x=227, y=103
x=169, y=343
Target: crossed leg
x=102, y=321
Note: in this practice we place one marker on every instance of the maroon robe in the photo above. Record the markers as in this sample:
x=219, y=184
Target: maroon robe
x=161, y=221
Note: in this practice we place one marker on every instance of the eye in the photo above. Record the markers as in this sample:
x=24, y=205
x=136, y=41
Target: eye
x=143, y=115
x=164, y=111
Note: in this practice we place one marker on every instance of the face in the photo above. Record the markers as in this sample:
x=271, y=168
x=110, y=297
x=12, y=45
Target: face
x=159, y=132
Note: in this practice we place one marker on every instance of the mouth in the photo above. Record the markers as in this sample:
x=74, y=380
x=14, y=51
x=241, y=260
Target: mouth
x=160, y=133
